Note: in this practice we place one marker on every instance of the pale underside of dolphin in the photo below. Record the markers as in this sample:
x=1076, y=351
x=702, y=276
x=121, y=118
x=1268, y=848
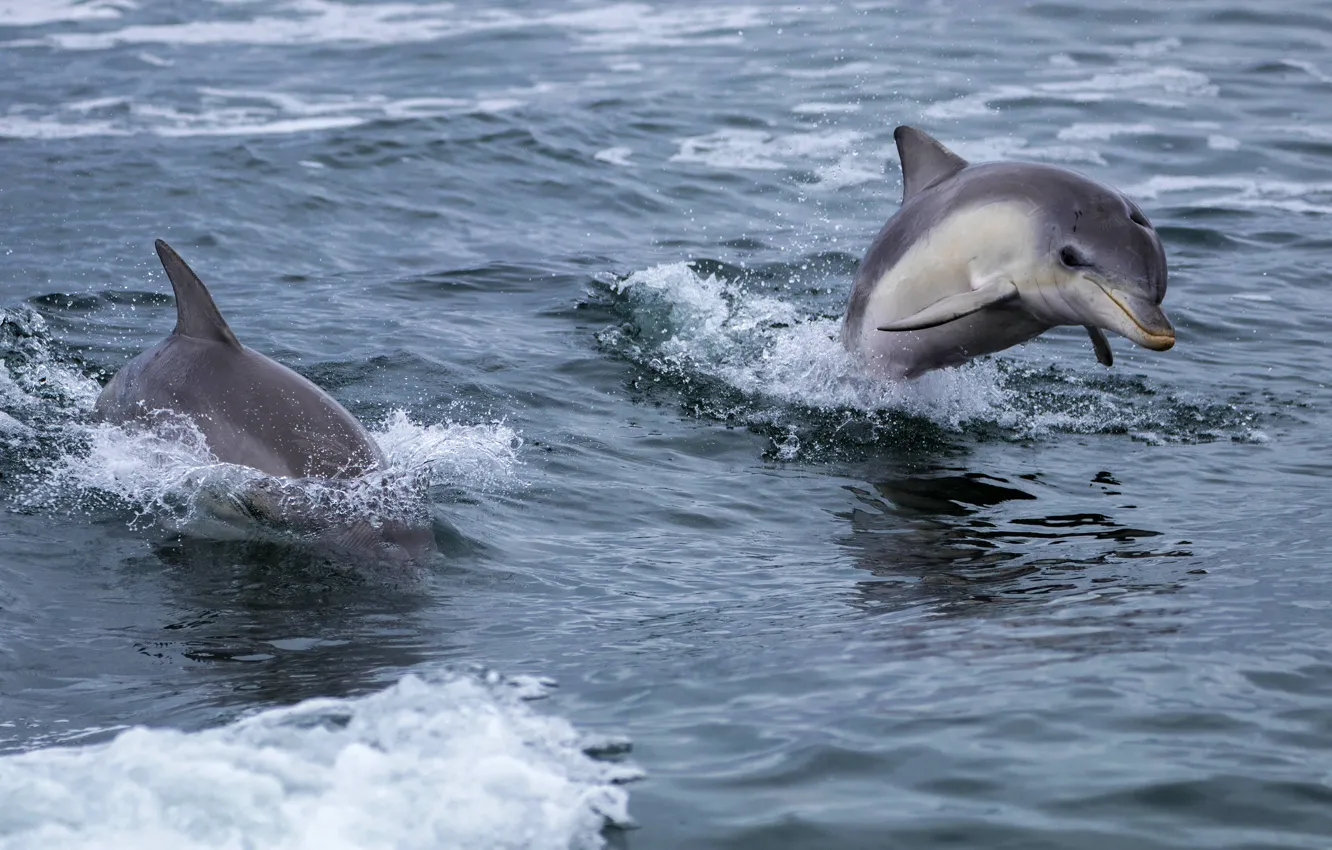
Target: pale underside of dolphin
x=251, y=410
x=983, y=257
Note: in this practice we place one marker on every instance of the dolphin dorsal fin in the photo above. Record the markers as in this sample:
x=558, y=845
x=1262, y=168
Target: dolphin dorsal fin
x=196, y=314
x=924, y=161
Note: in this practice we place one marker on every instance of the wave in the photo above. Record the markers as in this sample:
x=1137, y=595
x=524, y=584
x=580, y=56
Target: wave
x=1162, y=85
x=615, y=27
x=231, y=112
x=459, y=761
x=24, y=13
x=164, y=475
x=734, y=349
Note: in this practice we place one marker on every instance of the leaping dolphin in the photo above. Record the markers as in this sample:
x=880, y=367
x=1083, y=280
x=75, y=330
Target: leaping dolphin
x=251, y=410
x=983, y=257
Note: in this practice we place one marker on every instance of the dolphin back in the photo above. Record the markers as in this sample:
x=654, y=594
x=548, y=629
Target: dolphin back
x=252, y=410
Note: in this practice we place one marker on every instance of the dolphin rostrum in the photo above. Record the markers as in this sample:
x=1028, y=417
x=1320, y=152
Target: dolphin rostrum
x=983, y=257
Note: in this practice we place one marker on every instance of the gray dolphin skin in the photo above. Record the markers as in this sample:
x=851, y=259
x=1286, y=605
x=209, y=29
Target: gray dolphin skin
x=252, y=410
x=983, y=257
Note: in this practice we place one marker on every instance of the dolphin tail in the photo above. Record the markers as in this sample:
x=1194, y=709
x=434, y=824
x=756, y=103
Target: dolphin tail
x=196, y=314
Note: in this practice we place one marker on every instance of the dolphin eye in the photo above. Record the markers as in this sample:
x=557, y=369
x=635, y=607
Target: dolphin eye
x=1070, y=257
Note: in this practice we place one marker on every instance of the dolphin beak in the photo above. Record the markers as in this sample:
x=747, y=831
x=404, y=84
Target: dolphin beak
x=1138, y=319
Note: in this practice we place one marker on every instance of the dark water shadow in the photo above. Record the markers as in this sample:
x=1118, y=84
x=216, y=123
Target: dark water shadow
x=971, y=543
x=258, y=623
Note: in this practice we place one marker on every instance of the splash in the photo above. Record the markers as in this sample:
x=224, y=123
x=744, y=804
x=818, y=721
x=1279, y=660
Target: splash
x=461, y=762
x=480, y=457
x=41, y=390
x=164, y=472
x=36, y=378
x=738, y=351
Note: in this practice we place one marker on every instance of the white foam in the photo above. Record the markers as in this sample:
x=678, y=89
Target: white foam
x=26, y=13
x=227, y=112
x=12, y=427
x=615, y=27
x=621, y=26
x=1156, y=86
x=966, y=106
x=423, y=107
x=22, y=127
x=762, y=346
x=614, y=156
x=152, y=59
x=791, y=372
x=764, y=151
x=819, y=107
x=47, y=732
x=730, y=149
x=303, y=22
x=96, y=103
x=456, y=763
x=1103, y=132
x=850, y=69
x=1218, y=142
x=494, y=105
x=1016, y=147
x=160, y=471
x=1239, y=192
x=478, y=457
x=237, y=125
x=1155, y=47
x=1307, y=67
x=167, y=473
x=32, y=380
x=1166, y=78
x=851, y=169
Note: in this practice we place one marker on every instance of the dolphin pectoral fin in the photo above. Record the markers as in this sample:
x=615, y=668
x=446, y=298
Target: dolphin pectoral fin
x=956, y=306
x=196, y=314
x=1104, y=355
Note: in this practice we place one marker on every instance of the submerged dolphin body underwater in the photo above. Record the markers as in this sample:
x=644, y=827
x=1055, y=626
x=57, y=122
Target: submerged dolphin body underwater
x=983, y=257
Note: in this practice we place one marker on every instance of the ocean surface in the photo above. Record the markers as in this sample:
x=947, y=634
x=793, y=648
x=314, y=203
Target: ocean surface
x=699, y=583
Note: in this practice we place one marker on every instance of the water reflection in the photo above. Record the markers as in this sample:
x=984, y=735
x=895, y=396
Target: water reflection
x=267, y=623
x=957, y=537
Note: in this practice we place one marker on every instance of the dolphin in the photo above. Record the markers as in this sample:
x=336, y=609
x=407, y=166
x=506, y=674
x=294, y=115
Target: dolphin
x=255, y=412
x=252, y=411
x=983, y=257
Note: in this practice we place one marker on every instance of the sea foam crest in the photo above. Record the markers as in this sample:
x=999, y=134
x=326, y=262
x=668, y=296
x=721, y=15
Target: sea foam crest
x=764, y=347
x=739, y=353
x=460, y=763
x=34, y=378
x=165, y=472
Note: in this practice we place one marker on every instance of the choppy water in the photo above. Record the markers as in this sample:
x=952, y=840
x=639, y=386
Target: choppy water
x=579, y=267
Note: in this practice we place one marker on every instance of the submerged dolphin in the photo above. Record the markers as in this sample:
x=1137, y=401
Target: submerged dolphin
x=983, y=257
x=251, y=410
